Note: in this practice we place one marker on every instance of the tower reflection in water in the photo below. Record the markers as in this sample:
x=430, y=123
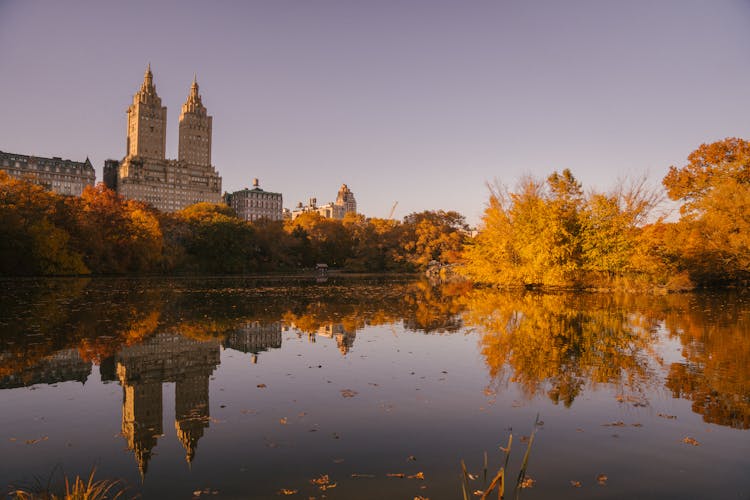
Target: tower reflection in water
x=189, y=363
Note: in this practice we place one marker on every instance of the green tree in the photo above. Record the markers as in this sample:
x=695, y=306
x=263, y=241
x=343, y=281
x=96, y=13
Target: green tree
x=217, y=241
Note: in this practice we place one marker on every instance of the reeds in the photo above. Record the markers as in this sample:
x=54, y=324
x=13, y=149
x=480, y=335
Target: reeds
x=77, y=489
x=499, y=480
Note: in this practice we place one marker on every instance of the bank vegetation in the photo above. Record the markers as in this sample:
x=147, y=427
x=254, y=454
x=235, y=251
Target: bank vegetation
x=543, y=233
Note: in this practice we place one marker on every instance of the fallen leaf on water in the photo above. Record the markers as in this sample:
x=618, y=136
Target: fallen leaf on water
x=418, y=475
x=411, y=458
x=692, y=441
x=396, y=474
x=528, y=482
x=323, y=482
x=418, y=497
x=284, y=491
x=602, y=478
x=35, y=441
x=575, y=484
x=619, y=423
x=524, y=439
x=356, y=475
x=261, y=386
x=348, y=393
x=637, y=424
x=664, y=415
x=282, y=421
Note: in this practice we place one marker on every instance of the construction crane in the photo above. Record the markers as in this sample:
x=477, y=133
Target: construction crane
x=393, y=209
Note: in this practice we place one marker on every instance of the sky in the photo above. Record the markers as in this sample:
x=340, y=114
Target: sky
x=420, y=102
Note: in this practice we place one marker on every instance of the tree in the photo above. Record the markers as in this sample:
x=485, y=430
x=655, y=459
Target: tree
x=708, y=166
x=32, y=239
x=217, y=241
x=432, y=236
x=714, y=230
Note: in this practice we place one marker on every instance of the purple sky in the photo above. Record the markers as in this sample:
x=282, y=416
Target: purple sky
x=415, y=101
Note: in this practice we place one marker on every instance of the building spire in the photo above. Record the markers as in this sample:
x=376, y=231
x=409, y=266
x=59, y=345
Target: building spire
x=193, y=102
x=194, y=87
x=148, y=79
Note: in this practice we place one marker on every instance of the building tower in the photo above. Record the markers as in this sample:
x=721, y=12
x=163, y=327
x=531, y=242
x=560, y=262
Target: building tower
x=147, y=122
x=141, y=418
x=195, y=130
x=192, y=410
x=345, y=198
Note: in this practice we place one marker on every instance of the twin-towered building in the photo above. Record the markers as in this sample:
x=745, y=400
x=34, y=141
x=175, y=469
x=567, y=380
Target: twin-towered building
x=146, y=174
x=171, y=185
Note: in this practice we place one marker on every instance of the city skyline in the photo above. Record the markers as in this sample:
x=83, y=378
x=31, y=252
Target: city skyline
x=420, y=103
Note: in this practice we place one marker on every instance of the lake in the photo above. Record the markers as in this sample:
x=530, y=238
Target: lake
x=371, y=388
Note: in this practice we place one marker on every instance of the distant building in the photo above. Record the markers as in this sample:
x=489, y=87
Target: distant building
x=254, y=337
x=58, y=175
x=61, y=366
x=344, y=204
x=110, y=173
x=345, y=199
x=145, y=174
x=254, y=204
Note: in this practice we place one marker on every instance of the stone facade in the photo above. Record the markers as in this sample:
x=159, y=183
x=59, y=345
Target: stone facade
x=62, y=176
x=345, y=199
x=254, y=204
x=145, y=174
x=344, y=204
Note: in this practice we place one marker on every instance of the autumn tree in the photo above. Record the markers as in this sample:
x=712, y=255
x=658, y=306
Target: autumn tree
x=531, y=236
x=115, y=235
x=432, y=235
x=320, y=239
x=714, y=230
x=32, y=240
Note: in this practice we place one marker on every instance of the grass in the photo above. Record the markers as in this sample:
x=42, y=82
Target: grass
x=77, y=489
x=499, y=480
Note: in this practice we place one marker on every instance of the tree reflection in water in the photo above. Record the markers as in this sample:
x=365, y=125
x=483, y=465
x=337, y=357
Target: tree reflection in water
x=559, y=344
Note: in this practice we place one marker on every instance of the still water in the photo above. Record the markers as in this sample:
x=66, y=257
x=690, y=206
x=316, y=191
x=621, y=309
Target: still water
x=244, y=388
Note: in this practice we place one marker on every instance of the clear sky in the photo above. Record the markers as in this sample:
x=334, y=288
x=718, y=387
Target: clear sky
x=416, y=101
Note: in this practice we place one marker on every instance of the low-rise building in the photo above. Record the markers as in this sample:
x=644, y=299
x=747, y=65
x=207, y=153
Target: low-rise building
x=62, y=176
x=255, y=204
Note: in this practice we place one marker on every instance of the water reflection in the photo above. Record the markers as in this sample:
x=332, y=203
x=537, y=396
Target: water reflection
x=145, y=333
x=562, y=343
x=714, y=332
